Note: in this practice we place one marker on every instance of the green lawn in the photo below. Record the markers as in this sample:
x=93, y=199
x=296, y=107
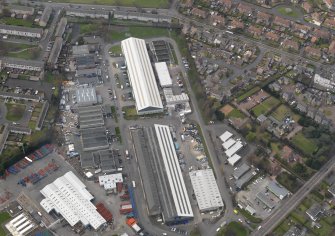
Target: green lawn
x=233, y=229
x=137, y=31
x=17, y=22
x=129, y=3
x=288, y=11
x=4, y=216
x=247, y=94
x=282, y=111
x=87, y=28
x=27, y=54
x=15, y=111
x=116, y=50
x=235, y=113
x=130, y=113
x=304, y=144
x=265, y=106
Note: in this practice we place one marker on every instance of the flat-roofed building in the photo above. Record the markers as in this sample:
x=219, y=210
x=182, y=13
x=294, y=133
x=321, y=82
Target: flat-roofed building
x=94, y=14
x=21, y=31
x=21, y=10
x=55, y=52
x=206, y=190
x=86, y=96
x=14, y=63
x=141, y=76
x=141, y=16
x=45, y=16
x=278, y=190
x=163, y=74
x=225, y=136
x=156, y=149
x=68, y=196
x=235, y=148
x=61, y=27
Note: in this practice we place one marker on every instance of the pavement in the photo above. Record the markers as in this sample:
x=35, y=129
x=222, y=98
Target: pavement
x=291, y=203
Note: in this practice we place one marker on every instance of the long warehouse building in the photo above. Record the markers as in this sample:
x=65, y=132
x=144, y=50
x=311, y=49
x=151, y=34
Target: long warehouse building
x=69, y=197
x=158, y=152
x=141, y=76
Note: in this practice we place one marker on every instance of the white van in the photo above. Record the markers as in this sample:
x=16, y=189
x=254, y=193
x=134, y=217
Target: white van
x=134, y=184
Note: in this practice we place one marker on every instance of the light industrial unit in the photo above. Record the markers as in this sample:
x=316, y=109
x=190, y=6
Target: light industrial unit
x=141, y=76
x=206, y=190
x=68, y=196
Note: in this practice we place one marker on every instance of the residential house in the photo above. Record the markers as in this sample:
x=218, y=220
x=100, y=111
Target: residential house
x=301, y=107
x=186, y=3
x=263, y=18
x=313, y=52
x=331, y=49
x=272, y=36
x=244, y=9
x=21, y=31
x=308, y=7
x=14, y=63
x=301, y=28
x=217, y=19
x=93, y=14
x=320, y=34
x=236, y=24
x=332, y=189
x=45, y=16
x=199, y=13
x=21, y=10
x=140, y=16
x=290, y=44
x=330, y=4
x=227, y=4
x=317, y=18
x=255, y=31
x=315, y=211
x=329, y=22
x=279, y=21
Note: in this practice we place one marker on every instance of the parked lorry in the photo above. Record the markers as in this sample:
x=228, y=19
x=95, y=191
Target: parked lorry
x=132, y=223
x=126, y=208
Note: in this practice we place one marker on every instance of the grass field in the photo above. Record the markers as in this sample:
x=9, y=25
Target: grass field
x=116, y=50
x=247, y=94
x=265, y=106
x=233, y=229
x=130, y=113
x=17, y=22
x=282, y=111
x=235, y=113
x=28, y=54
x=87, y=28
x=304, y=144
x=4, y=216
x=288, y=11
x=129, y=3
x=15, y=111
x=137, y=31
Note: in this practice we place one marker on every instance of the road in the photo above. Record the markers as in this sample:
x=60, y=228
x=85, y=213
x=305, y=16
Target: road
x=291, y=203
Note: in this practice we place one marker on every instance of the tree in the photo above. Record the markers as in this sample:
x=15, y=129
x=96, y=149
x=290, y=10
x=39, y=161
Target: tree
x=251, y=137
x=219, y=115
x=299, y=168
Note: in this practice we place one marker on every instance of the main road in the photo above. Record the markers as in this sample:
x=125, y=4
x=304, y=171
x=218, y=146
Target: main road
x=291, y=203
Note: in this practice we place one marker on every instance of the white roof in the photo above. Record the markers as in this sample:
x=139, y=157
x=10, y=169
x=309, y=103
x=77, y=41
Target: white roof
x=20, y=225
x=173, y=171
x=141, y=75
x=225, y=136
x=68, y=196
x=206, y=189
x=86, y=95
x=234, y=159
x=228, y=143
x=163, y=74
x=109, y=181
x=172, y=99
x=231, y=151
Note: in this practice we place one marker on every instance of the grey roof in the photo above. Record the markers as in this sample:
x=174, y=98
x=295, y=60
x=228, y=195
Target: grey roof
x=20, y=129
x=332, y=189
x=21, y=28
x=81, y=49
x=22, y=62
x=277, y=189
x=261, y=118
x=244, y=179
x=87, y=72
x=265, y=200
x=55, y=51
x=46, y=14
x=106, y=160
x=42, y=115
x=314, y=211
x=90, y=117
x=86, y=61
x=240, y=171
x=86, y=95
x=94, y=138
x=20, y=8
x=87, y=80
x=100, y=12
x=3, y=137
x=61, y=27
x=294, y=231
x=19, y=96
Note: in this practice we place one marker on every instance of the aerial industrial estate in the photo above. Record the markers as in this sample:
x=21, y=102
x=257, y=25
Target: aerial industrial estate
x=180, y=117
